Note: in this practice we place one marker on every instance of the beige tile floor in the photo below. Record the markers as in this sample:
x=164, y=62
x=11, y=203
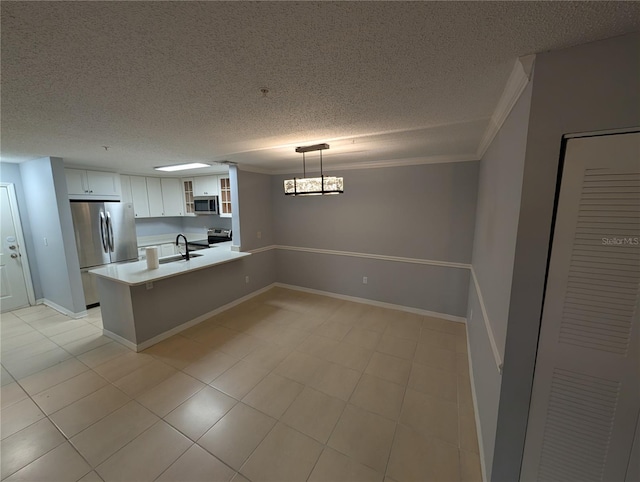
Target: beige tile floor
x=285, y=387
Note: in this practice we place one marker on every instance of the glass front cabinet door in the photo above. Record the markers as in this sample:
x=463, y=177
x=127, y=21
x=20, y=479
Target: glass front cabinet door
x=225, y=197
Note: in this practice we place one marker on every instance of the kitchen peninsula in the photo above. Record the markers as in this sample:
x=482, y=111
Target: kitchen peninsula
x=141, y=307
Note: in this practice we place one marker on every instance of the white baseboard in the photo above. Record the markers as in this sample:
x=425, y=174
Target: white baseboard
x=381, y=304
x=475, y=411
x=184, y=326
x=61, y=309
x=119, y=339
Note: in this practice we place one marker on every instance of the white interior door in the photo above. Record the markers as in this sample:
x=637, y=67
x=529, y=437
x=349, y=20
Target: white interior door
x=586, y=391
x=13, y=288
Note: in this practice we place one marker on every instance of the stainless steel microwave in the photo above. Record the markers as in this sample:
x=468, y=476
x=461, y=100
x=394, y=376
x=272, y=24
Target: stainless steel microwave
x=206, y=205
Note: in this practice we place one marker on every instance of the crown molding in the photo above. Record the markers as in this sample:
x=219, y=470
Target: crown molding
x=257, y=170
x=412, y=161
x=518, y=80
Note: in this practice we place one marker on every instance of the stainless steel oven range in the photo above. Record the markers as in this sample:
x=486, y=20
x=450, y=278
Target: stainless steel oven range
x=214, y=236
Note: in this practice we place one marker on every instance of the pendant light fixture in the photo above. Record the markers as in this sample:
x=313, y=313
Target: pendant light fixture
x=313, y=186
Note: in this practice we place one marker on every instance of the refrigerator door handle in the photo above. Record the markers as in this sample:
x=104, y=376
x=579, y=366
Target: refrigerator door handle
x=103, y=234
x=110, y=232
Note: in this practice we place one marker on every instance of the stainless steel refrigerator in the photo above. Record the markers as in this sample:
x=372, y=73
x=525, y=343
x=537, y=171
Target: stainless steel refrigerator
x=105, y=233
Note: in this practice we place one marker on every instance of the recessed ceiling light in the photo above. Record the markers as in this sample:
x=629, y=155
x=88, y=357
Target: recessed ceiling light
x=182, y=167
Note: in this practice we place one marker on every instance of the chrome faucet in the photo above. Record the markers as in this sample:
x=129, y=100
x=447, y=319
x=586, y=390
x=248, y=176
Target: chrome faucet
x=186, y=245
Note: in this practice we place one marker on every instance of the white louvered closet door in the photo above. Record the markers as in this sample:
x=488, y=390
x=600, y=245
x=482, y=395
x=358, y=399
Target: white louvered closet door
x=586, y=391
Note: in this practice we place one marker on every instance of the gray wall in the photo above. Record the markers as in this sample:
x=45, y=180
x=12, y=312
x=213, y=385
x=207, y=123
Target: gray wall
x=50, y=217
x=590, y=87
x=486, y=378
x=424, y=212
x=498, y=208
x=439, y=289
x=10, y=173
x=254, y=207
x=199, y=292
x=68, y=236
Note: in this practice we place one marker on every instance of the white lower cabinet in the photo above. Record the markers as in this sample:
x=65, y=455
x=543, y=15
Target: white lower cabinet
x=167, y=249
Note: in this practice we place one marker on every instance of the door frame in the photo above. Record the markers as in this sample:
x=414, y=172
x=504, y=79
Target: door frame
x=560, y=171
x=15, y=214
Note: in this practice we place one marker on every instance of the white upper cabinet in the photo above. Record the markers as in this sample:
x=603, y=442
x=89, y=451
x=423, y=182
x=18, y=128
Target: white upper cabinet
x=165, y=197
x=125, y=186
x=206, y=186
x=154, y=191
x=103, y=183
x=76, y=181
x=172, y=197
x=139, y=196
x=225, y=196
x=83, y=184
x=187, y=191
x=151, y=196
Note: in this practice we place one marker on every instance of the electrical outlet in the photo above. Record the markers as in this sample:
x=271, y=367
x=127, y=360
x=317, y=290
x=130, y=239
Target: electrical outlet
x=46, y=242
x=149, y=285
x=259, y=234
x=246, y=279
x=365, y=280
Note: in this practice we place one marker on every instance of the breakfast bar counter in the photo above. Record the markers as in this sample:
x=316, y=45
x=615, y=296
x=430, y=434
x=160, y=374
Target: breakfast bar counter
x=141, y=306
x=137, y=273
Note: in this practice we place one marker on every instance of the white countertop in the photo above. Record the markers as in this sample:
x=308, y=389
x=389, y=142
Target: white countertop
x=144, y=241
x=136, y=273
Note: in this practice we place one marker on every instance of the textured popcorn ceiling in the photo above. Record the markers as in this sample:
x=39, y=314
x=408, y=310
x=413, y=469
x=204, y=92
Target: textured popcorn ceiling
x=164, y=82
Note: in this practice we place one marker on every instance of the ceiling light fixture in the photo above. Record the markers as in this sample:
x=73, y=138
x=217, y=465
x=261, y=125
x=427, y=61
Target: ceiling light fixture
x=313, y=186
x=182, y=167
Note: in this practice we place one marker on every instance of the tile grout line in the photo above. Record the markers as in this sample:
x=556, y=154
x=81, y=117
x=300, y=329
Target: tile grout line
x=48, y=416
x=326, y=444
x=160, y=419
x=66, y=439
x=240, y=401
x=310, y=330
x=404, y=394
x=52, y=422
x=278, y=420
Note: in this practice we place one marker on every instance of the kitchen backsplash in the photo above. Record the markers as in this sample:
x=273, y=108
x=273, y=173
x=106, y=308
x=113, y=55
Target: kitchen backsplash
x=157, y=226
x=195, y=224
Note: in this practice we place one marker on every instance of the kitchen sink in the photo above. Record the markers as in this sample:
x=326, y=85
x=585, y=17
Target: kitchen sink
x=177, y=257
